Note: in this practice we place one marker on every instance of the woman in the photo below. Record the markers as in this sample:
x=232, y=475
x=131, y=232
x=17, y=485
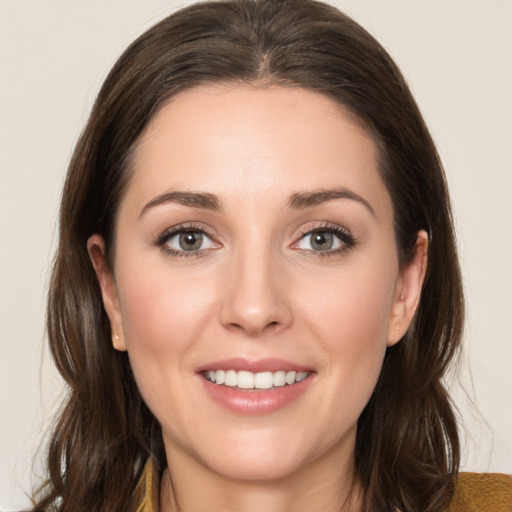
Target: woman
x=256, y=292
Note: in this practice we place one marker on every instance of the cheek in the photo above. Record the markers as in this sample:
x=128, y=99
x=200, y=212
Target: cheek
x=350, y=307
x=350, y=318
x=161, y=311
x=163, y=316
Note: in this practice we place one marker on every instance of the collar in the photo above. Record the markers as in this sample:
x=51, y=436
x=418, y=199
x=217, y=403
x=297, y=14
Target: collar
x=473, y=492
x=147, y=492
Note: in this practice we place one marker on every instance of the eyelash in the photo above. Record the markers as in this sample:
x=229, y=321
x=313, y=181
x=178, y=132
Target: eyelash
x=164, y=238
x=346, y=238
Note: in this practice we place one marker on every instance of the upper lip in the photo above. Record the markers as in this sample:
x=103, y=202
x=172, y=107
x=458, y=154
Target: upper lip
x=253, y=365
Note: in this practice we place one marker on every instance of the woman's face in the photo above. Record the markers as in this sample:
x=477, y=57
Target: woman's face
x=255, y=247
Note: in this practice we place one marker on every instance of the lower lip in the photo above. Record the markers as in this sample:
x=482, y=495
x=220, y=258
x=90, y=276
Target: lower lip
x=254, y=401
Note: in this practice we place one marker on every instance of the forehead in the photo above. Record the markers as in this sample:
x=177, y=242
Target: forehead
x=254, y=142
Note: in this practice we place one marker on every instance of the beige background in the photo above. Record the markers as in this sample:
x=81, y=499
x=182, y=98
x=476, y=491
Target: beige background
x=457, y=56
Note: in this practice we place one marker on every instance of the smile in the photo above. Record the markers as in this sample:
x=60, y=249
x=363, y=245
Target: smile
x=246, y=380
x=255, y=386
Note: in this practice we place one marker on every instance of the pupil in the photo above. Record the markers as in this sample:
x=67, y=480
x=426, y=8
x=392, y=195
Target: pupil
x=190, y=241
x=322, y=241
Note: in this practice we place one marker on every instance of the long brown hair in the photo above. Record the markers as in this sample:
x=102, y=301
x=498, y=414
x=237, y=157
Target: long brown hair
x=407, y=448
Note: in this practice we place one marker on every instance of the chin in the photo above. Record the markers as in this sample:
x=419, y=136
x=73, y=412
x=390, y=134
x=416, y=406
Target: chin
x=269, y=454
x=257, y=468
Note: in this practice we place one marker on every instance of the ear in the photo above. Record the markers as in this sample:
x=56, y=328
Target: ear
x=96, y=249
x=408, y=290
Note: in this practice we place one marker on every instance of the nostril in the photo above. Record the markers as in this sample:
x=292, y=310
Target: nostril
x=244, y=326
x=255, y=309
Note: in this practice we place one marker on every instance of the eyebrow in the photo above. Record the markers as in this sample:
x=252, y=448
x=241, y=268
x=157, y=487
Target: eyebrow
x=300, y=200
x=297, y=201
x=193, y=199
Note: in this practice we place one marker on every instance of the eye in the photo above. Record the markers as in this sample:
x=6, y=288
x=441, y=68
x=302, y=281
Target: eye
x=319, y=241
x=326, y=239
x=182, y=240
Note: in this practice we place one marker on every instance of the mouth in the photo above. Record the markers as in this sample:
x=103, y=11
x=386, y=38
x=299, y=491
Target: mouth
x=245, y=386
x=249, y=381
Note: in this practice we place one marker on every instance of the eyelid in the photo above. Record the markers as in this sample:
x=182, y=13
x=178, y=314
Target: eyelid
x=186, y=227
x=322, y=226
x=347, y=239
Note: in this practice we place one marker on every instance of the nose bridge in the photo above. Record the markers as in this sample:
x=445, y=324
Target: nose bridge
x=255, y=293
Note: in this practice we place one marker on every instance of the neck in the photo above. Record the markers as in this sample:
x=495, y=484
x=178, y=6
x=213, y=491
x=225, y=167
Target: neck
x=320, y=485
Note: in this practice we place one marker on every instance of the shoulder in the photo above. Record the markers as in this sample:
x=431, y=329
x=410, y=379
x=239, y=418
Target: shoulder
x=479, y=492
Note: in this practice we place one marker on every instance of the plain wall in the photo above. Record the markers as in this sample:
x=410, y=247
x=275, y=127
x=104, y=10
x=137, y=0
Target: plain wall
x=54, y=55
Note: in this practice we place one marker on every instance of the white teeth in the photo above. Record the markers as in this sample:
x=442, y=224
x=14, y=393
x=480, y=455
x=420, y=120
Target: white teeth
x=279, y=378
x=245, y=380
x=220, y=377
x=249, y=380
x=231, y=378
x=263, y=380
x=290, y=377
x=300, y=376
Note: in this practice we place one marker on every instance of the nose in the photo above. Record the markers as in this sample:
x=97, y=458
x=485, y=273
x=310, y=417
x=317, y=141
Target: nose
x=256, y=298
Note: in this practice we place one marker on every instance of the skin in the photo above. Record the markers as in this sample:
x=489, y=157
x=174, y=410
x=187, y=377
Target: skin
x=257, y=288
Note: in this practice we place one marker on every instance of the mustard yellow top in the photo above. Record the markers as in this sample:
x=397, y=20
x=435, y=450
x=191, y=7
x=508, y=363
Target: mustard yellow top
x=475, y=492
x=482, y=492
